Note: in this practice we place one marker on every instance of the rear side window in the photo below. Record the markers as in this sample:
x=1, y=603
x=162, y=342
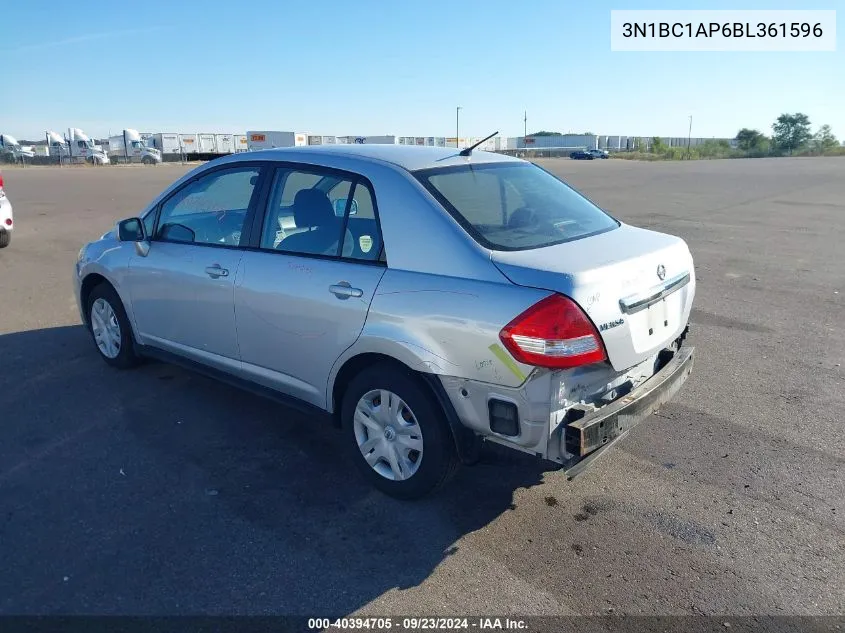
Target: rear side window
x=311, y=212
x=514, y=206
x=362, y=226
x=296, y=181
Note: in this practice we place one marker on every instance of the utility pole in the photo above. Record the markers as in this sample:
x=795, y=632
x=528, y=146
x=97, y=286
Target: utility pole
x=689, y=137
x=525, y=123
x=458, y=127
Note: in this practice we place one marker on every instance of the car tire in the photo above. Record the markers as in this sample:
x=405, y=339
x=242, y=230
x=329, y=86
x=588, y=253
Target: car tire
x=417, y=438
x=147, y=160
x=5, y=239
x=110, y=328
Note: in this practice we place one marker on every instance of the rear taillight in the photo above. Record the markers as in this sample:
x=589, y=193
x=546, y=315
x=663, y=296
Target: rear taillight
x=553, y=333
x=1, y=181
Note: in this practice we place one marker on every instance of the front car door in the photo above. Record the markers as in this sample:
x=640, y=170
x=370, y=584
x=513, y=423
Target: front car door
x=182, y=290
x=303, y=291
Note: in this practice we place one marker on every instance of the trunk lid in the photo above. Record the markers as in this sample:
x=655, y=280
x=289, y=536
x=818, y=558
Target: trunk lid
x=636, y=285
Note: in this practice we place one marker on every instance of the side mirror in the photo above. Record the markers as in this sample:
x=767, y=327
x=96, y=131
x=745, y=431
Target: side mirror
x=131, y=230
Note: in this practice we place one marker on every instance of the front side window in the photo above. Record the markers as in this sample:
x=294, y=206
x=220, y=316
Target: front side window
x=210, y=210
x=314, y=213
x=514, y=206
x=150, y=222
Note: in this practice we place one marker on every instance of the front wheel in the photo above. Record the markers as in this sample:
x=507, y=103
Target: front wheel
x=110, y=328
x=397, y=433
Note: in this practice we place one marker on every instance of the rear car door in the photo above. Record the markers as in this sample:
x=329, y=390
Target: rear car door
x=182, y=291
x=305, y=285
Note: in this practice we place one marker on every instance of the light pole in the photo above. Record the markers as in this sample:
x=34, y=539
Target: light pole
x=458, y=127
x=689, y=137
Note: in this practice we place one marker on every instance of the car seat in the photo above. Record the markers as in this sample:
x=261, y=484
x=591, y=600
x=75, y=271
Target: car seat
x=313, y=210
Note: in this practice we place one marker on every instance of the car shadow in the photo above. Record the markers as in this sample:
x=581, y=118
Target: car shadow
x=159, y=491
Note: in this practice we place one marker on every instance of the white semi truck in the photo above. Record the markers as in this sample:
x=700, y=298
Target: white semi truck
x=129, y=147
x=11, y=151
x=76, y=147
x=57, y=146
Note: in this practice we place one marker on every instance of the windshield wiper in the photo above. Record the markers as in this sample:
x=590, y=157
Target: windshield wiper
x=468, y=150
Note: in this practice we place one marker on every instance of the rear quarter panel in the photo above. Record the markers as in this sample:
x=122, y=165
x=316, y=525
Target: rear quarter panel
x=446, y=326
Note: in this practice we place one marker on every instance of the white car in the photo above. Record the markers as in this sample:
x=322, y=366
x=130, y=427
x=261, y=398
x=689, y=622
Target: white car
x=6, y=222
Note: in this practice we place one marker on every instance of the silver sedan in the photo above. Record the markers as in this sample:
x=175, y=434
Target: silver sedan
x=424, y=299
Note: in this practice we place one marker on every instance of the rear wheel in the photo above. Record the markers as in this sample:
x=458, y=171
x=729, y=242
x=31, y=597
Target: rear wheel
x=110, y=328
x=397, y=433
x=5, y=239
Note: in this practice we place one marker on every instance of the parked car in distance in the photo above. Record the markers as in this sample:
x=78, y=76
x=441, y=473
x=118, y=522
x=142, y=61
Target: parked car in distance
x=599, y=153
x=424, y=300
x=6, y=220
x=582, y=154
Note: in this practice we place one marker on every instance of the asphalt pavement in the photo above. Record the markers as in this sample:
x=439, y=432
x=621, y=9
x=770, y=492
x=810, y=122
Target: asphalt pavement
x=157, y=491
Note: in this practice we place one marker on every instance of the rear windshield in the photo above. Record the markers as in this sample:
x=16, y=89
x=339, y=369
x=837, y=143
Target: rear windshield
x=514, y=206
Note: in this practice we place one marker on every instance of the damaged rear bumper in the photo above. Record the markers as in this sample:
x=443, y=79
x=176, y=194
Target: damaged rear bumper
x=584, y=439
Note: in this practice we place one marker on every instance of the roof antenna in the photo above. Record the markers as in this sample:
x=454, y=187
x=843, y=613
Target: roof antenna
x=468, y=150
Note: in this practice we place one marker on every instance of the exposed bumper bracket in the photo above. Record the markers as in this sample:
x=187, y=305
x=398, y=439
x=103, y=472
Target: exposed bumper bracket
x=589, y=436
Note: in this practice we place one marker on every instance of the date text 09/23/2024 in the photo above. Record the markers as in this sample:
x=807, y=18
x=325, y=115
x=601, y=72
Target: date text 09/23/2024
x=418, y=624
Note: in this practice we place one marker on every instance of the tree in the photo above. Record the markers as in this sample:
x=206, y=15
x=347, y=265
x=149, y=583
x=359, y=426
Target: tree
x=791, y=131
x=657, y=145
x=824, y=138
x=544, y=133
x=748, y=140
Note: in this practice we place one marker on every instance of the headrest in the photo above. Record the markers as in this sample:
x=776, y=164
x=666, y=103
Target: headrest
x=312, y=207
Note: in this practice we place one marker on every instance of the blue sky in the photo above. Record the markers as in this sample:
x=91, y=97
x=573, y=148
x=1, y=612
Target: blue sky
x=388, y=67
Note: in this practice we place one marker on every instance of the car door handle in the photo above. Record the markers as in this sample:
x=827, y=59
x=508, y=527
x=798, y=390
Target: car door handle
x=343, y=290
x=216, y=271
